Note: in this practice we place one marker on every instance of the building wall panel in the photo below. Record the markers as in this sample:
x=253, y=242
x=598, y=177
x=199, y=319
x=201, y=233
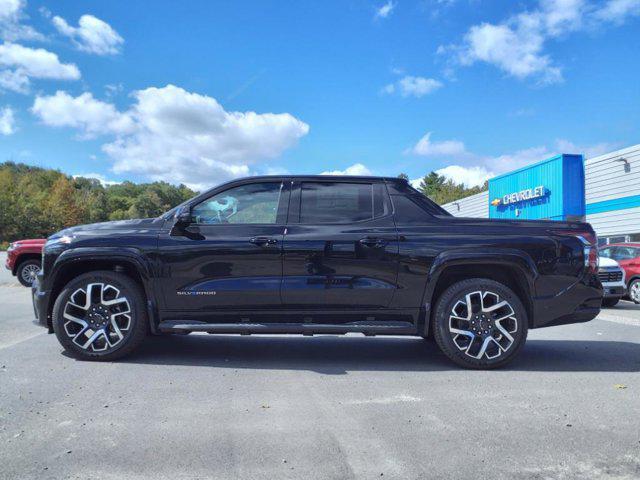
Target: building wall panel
x=475, y=206
x=606, y=177
x=617, y=222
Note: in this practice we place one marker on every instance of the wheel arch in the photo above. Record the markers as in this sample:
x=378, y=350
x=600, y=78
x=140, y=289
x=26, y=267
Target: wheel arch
x=72, y=263
x=23, y=257
x=632, y=278
x=513, y=268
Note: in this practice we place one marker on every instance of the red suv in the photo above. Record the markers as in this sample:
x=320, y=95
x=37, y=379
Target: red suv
x=628, y=256
x=23, y=259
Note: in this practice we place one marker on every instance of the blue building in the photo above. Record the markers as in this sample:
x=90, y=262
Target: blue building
x=602, y=190
x=551, y=189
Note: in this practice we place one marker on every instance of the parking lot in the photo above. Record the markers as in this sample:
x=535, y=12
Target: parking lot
x=323, y=407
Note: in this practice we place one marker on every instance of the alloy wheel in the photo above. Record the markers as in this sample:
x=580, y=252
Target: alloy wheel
x=29, y=272
x=634, y=292
x=483, y=325
x=97, y=317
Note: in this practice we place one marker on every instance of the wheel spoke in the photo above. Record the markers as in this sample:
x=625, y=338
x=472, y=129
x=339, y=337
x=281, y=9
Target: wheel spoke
x=98, y=317
x=482, y=325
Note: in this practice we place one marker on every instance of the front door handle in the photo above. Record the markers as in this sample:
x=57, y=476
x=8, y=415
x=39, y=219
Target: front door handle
x=263, y=241
x=372, y=242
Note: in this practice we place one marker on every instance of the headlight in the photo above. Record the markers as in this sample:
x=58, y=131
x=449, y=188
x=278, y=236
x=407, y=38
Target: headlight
x=63, y=239
x=13, y=246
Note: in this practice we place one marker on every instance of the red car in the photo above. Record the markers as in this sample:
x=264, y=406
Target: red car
x=23, y=259
x=628, y=256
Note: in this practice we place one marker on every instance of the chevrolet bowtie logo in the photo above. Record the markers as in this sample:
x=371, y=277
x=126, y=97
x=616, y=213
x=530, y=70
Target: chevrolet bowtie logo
x=495, y=202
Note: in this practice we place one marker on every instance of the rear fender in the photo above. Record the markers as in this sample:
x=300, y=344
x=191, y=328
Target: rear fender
x=514, y=260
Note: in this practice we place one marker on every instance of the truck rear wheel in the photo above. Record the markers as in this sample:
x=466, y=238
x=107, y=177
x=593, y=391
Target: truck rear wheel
x=100, y=316
x=480, y=323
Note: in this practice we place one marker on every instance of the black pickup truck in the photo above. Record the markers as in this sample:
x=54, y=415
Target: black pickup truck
x=317, y=255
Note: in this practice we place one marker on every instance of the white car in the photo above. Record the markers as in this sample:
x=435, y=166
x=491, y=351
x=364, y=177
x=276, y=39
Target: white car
x=612, y=277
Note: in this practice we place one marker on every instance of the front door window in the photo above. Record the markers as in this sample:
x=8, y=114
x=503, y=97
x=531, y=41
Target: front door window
x=255, y=203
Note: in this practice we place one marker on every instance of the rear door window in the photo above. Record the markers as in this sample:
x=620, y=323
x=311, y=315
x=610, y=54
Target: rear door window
x=336, y=202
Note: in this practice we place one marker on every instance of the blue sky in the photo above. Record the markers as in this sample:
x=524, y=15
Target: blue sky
x=200, y=92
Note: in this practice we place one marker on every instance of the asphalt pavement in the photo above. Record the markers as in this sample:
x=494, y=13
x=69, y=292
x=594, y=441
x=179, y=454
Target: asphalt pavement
x=321, y=407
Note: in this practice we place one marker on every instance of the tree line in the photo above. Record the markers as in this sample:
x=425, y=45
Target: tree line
x=36, y=202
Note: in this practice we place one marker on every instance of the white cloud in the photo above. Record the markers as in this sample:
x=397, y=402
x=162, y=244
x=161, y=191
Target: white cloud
x=511, y=161
x=11, y=27
x=469, y=176
x=409, y=86
x=97, y=176
x=415, y=183
x=174, y=135
x=517, y=45
x=355, y=169
x=515, y=50
x=18, y=64
x=92, y=35
x=16, y=81
x=113, y=89
x=589, y=151
x=474, y=169
x=91, y=116
x=385, y=10
x=7, y=121
x=445, y=148
x=618, y=11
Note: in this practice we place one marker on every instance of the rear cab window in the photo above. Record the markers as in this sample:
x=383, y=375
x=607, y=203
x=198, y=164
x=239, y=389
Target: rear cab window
x=411, y=207
x=341, y=202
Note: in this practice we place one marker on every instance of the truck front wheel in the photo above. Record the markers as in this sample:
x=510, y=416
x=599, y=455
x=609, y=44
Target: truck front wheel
x=480, y=323
x=100, y=316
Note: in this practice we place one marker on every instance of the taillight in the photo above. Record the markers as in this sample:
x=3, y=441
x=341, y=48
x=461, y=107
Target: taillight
x=591, y=258
x=589, y=242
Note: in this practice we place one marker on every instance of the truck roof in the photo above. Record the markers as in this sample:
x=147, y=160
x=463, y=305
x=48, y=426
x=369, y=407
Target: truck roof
x=325, y=177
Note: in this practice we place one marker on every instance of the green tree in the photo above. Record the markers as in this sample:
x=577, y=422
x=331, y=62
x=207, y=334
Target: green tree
x=36, y=202
x=441, y=190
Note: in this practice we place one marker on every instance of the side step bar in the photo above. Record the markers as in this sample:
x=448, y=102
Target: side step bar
x=366, y=328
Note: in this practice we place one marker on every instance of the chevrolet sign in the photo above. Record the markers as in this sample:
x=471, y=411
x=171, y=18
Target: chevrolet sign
x=521, y=196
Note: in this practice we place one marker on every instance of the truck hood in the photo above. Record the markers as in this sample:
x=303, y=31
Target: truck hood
x=31, y=241
x=608, y=262
x=114, y=226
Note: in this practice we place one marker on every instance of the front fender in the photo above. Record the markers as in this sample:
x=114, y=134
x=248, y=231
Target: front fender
x=114, y=254
x=130, y=256
x=514, y=259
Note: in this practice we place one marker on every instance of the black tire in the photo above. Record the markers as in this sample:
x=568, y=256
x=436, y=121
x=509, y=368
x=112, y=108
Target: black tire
x=515, y=324
x=24, y=270
x=610, y=302
x=138, y=322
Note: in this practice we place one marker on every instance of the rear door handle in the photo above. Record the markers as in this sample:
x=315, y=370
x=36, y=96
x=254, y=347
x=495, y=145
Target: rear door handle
x=372, y=242
x=263, y=241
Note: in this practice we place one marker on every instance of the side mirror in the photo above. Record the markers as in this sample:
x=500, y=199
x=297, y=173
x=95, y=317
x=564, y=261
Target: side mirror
x=182, y=219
